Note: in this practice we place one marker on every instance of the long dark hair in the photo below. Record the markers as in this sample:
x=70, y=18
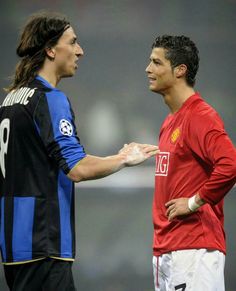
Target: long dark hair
x=41, y=31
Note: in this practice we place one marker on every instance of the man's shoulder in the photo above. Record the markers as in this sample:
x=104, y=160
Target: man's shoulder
x=201, y=109
x=56, y=98
x=45, y=89
x=204, y=116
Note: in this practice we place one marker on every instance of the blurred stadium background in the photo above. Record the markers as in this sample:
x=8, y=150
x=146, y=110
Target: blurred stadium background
x=113, y=106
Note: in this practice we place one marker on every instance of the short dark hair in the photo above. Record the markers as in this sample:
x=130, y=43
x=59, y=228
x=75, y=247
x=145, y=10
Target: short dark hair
x=42, y=30
x=180, y=50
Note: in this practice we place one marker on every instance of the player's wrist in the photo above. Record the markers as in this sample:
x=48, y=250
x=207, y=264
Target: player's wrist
x=192, y=204
x=125, y=160
x=121, y=160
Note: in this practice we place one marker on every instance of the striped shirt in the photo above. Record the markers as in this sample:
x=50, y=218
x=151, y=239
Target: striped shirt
x=38, y=147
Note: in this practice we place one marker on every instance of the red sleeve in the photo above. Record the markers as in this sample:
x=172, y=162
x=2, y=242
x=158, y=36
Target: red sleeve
x=211, y=144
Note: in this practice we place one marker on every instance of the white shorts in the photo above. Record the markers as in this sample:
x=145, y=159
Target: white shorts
x=189, y=270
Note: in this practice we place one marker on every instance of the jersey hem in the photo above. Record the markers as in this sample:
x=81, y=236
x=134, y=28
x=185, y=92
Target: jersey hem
x=159, y=253
x=39, y=259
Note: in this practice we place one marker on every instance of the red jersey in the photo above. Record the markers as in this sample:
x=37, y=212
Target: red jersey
x=196, y=156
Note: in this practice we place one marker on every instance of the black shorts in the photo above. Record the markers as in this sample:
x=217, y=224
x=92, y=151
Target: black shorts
x=43, y=275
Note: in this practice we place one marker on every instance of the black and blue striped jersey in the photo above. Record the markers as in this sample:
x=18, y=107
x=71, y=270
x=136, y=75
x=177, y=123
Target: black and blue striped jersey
x=38, y=147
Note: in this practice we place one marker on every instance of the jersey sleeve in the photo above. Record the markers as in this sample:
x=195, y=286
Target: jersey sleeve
x=214, y=149
x=54, y=120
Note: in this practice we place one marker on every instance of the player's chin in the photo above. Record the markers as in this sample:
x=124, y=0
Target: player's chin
x=153, y=88
x=69, y=74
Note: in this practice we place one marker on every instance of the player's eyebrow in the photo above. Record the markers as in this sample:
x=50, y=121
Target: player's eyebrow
x=153, y=59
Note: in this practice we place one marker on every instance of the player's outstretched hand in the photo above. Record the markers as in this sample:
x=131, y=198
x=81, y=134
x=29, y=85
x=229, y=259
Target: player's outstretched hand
x=136, y=153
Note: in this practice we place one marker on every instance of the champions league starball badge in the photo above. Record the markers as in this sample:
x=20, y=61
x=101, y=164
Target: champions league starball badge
x=66, y=127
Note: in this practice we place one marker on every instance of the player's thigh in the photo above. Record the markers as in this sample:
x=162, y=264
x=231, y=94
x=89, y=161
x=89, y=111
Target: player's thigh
x=43, y=275
x=25, y=277
x=161, y=271
x=194, y=270
x=155, y=272
x=59, y=277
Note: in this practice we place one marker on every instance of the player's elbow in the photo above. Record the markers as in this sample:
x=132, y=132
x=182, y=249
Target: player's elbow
x=77, y=173
x=231, y=169
x=75, y=177
x=227, y=167
x=234, y=170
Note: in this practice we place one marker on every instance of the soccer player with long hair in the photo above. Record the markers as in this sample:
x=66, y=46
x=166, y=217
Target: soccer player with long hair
x=41, y=157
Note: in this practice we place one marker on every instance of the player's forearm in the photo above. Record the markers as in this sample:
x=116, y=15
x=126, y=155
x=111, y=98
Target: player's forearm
x=93, y=167
x=195, y=202
x=222, y=179
x=214, y=191
x=216, y=149
x=199, y=200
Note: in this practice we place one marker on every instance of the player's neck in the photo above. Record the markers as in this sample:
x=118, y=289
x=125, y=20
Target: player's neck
x=48, y=73
x=176, y=97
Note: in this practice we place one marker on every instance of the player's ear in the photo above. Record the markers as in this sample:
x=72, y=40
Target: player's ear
x=50, y=52
x=180, y=70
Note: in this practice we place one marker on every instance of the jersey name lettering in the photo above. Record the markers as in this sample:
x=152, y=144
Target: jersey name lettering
x=20, y=96
x=162, y=164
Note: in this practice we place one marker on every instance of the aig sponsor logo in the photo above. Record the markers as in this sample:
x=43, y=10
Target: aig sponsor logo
x=162, y=164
